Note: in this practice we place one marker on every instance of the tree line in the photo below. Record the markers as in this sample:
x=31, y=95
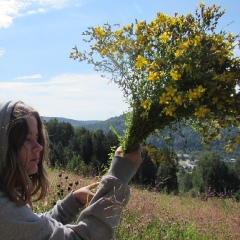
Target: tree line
x=87, y=152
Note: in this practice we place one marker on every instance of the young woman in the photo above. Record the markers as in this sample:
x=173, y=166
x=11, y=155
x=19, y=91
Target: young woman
x=23, y=179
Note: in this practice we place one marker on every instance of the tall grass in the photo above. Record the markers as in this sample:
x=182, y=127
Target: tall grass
x=153, y=215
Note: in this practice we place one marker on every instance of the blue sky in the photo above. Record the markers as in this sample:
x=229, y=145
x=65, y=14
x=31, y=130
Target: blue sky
x=37, y=36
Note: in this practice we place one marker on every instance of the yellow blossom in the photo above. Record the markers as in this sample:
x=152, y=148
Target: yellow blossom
x=196, y=41
x=184, y=45
x=164, y=98
x=202, y=112
x=100, y=32
x=141, y=61
x=162, y=18
x=191, y=94
x=178, y=100
x=196, y=92
x=151, y=150
x=140, y=26
x=119, y=55
x=153, y=76
x=200, y=89
x=128, y=27
x=237, y=139
x=103, y=51
x=231, y=34
x=175, y=75
x=119, y=32
x=188, y=68
x=162, y=73
x=171, y=91
x=170, y=110
x=229, y=148
x=164, y=37
x=178, y=53
x=145, y=104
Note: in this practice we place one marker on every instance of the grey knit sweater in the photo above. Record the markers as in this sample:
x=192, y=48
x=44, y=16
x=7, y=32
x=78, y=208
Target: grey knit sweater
x=98, y=221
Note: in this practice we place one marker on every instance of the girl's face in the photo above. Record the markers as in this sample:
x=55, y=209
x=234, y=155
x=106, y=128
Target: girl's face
x=30, y=152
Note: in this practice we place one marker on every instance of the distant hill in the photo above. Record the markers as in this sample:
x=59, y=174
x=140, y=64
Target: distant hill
x=74, y=123
x=116, y=122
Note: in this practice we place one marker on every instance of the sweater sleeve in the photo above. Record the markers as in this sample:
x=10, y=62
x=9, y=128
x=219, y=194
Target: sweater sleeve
x=66, y=210
x=98, y=221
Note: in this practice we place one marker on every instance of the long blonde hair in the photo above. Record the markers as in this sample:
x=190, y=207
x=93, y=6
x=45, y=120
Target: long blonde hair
x=21, y=188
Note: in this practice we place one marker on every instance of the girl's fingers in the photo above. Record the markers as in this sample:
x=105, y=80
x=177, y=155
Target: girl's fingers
x=93, y=185
x=118, y=152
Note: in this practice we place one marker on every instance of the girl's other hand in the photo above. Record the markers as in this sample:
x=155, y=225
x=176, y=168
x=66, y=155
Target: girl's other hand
x=84, y=195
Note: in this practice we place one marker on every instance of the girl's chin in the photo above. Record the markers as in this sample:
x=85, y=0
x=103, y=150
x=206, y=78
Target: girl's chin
x=32, y=171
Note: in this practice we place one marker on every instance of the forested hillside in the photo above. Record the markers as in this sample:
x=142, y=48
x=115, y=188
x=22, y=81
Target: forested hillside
x=86, y=151
x=186, y=141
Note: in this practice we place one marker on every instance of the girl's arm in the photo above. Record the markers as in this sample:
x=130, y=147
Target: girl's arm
x=98, y=221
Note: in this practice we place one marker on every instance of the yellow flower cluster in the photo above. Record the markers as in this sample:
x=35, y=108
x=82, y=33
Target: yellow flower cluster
x=141, y=62
x=164, y=37
x=119, y=32
x=196, y=92
x=171, y=91
x=100, y=33
x=153, y=76
x=175, y=62
x=175, y=75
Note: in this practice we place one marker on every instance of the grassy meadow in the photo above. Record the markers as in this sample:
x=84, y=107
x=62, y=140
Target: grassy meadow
x=153, y=215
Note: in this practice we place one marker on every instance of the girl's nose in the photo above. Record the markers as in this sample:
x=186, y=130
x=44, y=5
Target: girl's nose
x=37, y=147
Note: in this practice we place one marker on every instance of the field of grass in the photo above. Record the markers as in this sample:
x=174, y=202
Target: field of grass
x=153, y=215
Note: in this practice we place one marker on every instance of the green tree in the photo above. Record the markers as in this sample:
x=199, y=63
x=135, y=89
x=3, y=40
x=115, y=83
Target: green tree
x=59, y=131
x=237, y=166
x=185, y=182
x=99, y=147
x=146, y=174
x=166, y=176
x=212, y=173
x=82, y=144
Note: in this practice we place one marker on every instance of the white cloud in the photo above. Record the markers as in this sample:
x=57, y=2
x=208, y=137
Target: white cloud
x=40, y=10
x=29, y=77
x=2, y=52
x=54, y=3
x=82, y=97
x=10, y=9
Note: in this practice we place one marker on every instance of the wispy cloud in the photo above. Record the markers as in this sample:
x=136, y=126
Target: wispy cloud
x=54, y=3
x=29, y=77
x=70, y=95
x=11, y=9
x=2, y=52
